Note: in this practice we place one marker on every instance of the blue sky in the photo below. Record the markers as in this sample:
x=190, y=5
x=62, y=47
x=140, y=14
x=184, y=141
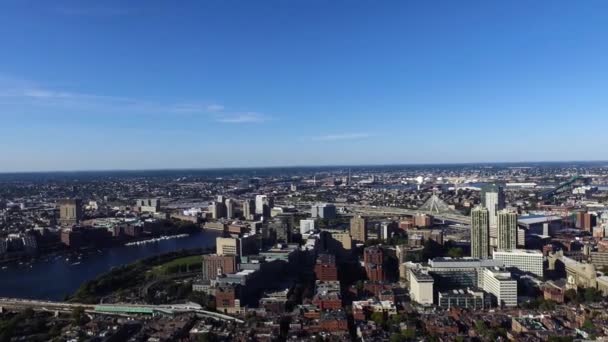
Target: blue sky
x=197, y=84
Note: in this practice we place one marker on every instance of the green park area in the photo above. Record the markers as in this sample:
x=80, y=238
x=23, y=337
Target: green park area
x=187, y=264
x=124, y=281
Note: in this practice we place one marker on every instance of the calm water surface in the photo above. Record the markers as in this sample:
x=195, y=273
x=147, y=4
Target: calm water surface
x=57, y=277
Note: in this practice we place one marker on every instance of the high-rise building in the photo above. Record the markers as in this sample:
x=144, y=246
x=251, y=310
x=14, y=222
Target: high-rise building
x=282, y=225
x=259, y=204
x=457, y=273
x=148, y=205
x=507, y=230
x=227, y=246
x=307, y=226
x=229, y=204
x=263, y=204
x=423, y=220
x=480, y=240
x=358, y=228
x=248, y=209
x=324, y=211
x=585, y=220
x=344, y=239
x=421, y=287
x=214, y=265
x=217, y=210
x=493, y=198
x=325, y=268
x=373, y=258
x=501, y=284
x=70, y=211
x=387, y=228
x=528, y=261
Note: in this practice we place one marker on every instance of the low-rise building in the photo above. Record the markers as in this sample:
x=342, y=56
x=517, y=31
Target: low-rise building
x=474, y=299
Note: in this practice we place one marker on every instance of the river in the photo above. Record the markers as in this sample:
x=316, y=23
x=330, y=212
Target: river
x=57, y=277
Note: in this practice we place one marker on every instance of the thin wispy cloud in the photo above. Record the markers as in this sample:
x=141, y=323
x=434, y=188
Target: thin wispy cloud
x=342, y=136
x=239, y=118
x=215, y=108
x=25, y=94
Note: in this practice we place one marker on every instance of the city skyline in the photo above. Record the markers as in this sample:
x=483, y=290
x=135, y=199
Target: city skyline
x=222, y=85
x=311, y=166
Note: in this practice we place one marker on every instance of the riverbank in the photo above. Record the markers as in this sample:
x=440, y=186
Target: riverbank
x=58, y=276
x=124, y=281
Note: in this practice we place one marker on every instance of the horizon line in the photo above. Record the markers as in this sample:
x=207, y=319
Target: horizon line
x=299, y=166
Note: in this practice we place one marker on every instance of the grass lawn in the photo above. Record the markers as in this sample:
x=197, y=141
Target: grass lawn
x=185, y=264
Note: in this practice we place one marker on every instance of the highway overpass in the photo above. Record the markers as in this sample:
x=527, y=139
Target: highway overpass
x=114, y=309
x=370, y=210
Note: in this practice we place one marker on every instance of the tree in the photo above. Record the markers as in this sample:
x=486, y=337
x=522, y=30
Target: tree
x=547, y=305
x=592, y=295
x=405, y=335
x=409, y=334
x=588, y=325
x=481, y=327
x=455, y=252
x=396, y=337
x=570, y=295
x=78, y=316
x=396, y=319
x=378, y=318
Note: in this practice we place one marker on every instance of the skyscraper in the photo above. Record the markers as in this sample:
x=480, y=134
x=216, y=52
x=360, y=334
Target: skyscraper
x=263, y=204
x=248, y=209
x=493, y=198
x=507, y=230
x=217, y=210
x=374, y=263
x=480, y=239
x=358, y=228
x=229, y=204
x=282, y=225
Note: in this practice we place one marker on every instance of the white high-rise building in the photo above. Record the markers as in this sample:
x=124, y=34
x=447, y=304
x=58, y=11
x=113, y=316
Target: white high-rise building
x=421, y=287
x=324, y=211
x=499, y=282
x=307, y=226
x=530, y=261
x=229, y=208
x=263, y=205
x=259, y=204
